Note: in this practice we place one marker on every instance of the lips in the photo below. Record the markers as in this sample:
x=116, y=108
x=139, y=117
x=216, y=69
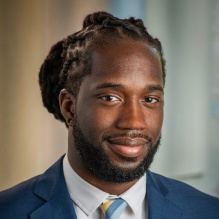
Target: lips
x=127, y=141
x=128, y=147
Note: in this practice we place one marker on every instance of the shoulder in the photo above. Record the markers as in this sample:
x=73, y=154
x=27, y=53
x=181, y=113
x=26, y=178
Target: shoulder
x=20, y=200
x=175, y=186
x=188, y=198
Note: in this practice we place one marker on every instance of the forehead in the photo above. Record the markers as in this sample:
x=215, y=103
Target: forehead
x=124, y=59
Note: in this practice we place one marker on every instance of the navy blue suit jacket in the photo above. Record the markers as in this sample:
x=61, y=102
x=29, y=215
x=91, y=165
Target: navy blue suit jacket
x=46, y=197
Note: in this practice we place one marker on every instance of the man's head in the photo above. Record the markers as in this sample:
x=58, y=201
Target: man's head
x=112, y=73
x=69, y=59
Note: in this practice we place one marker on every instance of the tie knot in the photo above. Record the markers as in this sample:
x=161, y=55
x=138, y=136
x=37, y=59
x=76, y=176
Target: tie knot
x=114, y=208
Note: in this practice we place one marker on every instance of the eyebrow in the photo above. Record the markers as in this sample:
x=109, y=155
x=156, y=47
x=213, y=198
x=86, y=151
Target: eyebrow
x=149, y=87
x=154, y=87
x=109, y=85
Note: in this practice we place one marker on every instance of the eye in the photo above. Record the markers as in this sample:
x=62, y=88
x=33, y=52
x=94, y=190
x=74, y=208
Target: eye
x=109, y=98
x=151, y=100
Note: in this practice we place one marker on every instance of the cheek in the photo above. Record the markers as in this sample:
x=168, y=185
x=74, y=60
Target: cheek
x=154, y=122
x=94, y=122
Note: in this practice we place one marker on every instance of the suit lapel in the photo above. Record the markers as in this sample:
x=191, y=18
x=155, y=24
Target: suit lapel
x=52, y=189
x=58, y=207
x=160, y=205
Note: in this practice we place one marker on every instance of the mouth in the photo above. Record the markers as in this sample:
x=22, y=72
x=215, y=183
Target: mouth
x=128, y=147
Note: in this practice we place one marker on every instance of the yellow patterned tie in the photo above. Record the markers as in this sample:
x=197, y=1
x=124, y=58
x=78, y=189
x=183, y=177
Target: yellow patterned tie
x=114, y=208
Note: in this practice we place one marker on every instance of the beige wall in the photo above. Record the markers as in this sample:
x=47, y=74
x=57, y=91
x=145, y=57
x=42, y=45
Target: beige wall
x=30, y=138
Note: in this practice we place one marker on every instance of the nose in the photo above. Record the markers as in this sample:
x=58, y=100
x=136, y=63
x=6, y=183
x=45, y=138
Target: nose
x=132, y=116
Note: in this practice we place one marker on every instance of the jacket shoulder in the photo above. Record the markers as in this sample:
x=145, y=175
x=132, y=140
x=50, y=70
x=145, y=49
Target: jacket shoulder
x=25, y=198
x=191, y=201
x=19, y=199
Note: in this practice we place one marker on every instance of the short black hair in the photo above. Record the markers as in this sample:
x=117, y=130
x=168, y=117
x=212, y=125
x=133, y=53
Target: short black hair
x=69, y=60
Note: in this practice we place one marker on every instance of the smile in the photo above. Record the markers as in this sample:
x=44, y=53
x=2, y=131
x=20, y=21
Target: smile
x=128, y=147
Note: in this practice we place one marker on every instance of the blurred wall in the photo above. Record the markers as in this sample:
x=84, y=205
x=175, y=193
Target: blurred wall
x=30, y=138
x=190, y=147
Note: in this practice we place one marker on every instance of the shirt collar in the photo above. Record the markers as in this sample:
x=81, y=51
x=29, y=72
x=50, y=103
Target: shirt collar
x=88, y=198
x=135, y=195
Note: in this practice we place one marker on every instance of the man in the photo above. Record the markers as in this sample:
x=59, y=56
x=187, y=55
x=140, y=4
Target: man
x=106, y=82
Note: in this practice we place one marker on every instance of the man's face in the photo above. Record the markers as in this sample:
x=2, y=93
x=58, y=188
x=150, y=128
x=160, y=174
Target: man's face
x=119, y=111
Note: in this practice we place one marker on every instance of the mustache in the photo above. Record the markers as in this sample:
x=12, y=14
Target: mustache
x=129, y=134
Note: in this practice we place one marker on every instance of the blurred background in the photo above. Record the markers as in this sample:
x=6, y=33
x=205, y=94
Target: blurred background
x=31, y=139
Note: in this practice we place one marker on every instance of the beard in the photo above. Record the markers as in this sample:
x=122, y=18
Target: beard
x=96, y=160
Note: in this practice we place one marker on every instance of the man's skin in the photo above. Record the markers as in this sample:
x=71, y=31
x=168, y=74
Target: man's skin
x=123, y=94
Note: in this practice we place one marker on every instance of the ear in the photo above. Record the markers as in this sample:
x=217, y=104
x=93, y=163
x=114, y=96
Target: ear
x=67, y=105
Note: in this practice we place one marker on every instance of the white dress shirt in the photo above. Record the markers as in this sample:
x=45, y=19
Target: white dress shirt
x=87, y=199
